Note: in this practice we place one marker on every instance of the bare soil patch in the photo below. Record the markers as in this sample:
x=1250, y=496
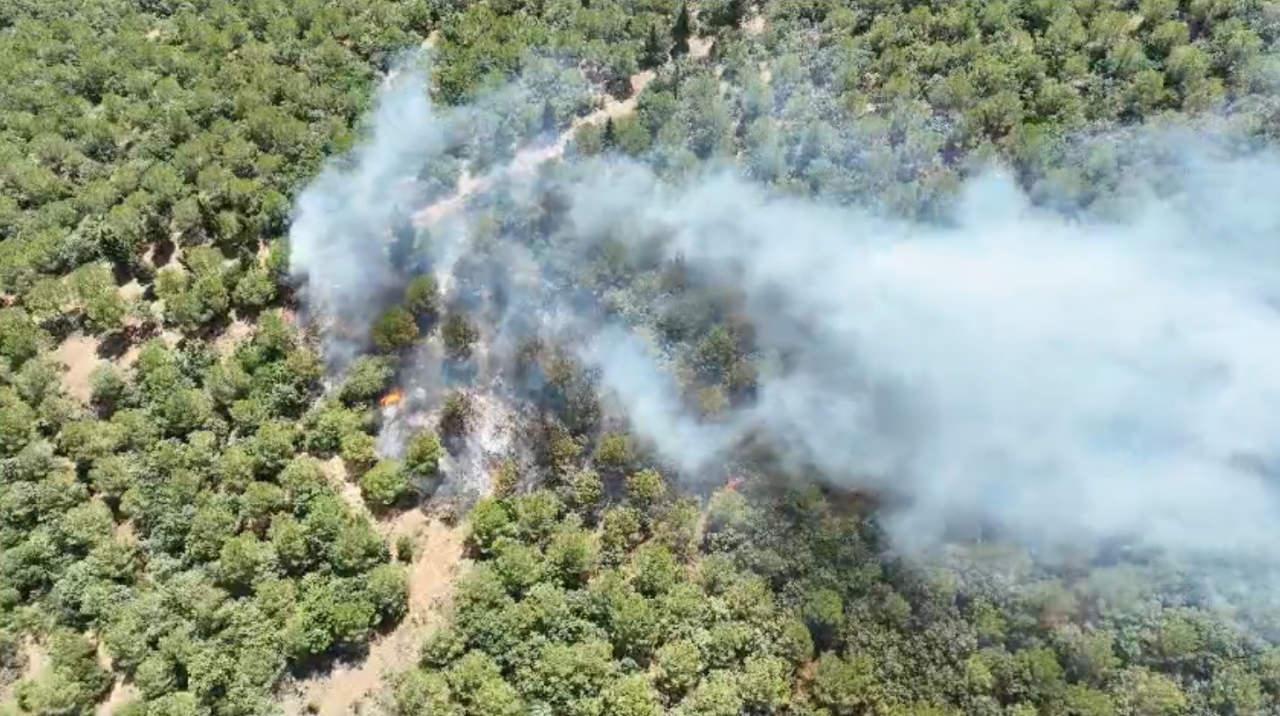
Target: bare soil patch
x=233, y=335
x=35, y=658
x=79, y=353
x=121, y=694
x=700, y=46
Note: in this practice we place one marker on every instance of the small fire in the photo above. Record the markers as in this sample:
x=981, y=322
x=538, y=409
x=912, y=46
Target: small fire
x=734, y=483
x=392, y=399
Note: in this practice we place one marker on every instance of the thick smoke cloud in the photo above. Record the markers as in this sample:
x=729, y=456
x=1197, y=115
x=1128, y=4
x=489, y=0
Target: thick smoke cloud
x=1065, y=380
x=348, y=208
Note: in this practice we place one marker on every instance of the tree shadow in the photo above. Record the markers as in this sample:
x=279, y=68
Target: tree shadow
x=320, y=665
x=162, y=252
x=115, y=344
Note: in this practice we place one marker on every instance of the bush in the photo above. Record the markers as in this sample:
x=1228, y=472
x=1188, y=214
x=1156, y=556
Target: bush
x=458, y=335
x=422, y=457
x=455, y=414
x=422, y=298
x=394, y=330
x=368, y=378
x=358, y=450
x=404, y=548
x=385, y=484
x=255, y=289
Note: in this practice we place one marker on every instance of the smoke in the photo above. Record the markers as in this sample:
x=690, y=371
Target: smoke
x=352, y=203
x=1066, y=379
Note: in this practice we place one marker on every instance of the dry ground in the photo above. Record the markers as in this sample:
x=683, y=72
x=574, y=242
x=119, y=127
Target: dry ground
x=79, y=353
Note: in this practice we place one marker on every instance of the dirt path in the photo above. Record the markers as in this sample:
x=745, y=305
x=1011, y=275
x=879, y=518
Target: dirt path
x=352, y=688
x=121, y=694
x=530, y=158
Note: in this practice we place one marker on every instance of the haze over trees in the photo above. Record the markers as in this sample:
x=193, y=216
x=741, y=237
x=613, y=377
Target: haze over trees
x=182, y=529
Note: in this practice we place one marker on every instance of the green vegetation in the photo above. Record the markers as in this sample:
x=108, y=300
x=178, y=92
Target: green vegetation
x=785, y=604
x=176, y=520
x=182, y=523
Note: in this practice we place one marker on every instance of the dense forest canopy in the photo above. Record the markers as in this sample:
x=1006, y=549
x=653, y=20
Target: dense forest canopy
x=202, y=463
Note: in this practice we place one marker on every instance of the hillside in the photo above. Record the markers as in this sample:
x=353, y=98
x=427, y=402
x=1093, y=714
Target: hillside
x=636, y=357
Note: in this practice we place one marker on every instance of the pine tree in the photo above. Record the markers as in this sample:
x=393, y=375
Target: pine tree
x=548, y=117
x=610, y=136
x=737, y=12
x=654, y=53
x=681, y=31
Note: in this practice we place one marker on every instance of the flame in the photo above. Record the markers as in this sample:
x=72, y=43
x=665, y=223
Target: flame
x=392, y=399
x=734, y=483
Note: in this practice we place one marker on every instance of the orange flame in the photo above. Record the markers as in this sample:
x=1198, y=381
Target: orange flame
x=734, y=483
x=392, y=399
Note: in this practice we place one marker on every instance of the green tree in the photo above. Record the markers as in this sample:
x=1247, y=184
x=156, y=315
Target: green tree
x=632, y=695
x=478, y=682
x=1150, y=694
x=564, y=676
x=765, y=683
x=17, y=422
x=422, y=298
x=717, y=695
x=394, y=330
x=520, y=566
x=241, y=559
x=422, y=456
x=459, y=336
x=422, y=692
x=645, y=489
x=845, y=686
x=367, y=378
x=385, y=484
x=655, y=53
x=681, y=31
x=490, y=521
x=20, y=338
x=255, y=289
x=655, y=569
x=677, y=667
x=572, y=555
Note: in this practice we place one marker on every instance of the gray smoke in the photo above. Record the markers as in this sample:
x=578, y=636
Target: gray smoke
x=1068, y=380
x=347, y=209
x=1064, y=379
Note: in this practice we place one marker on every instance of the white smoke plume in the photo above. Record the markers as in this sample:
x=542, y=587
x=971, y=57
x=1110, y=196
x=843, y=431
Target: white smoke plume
x=1067, y=380
x=351, y=204
x=1063, y=379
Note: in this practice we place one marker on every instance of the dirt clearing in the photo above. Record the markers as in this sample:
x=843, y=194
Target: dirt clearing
x=79, y=353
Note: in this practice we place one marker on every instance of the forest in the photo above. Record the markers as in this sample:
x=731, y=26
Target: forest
x=208, y=455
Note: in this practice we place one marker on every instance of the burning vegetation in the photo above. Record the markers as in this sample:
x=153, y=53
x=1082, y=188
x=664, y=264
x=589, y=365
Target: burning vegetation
x=393, y=398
